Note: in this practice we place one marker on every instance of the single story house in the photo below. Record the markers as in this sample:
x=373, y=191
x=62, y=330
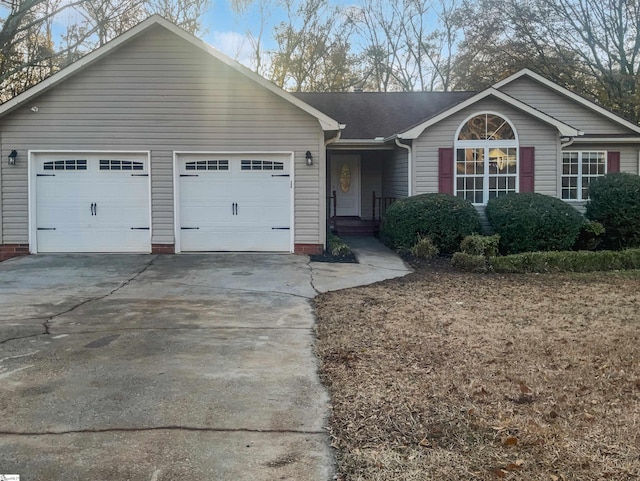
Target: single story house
x=156, y=142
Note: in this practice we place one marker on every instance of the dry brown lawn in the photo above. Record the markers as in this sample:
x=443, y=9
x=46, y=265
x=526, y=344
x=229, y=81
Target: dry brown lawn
x=450, y=376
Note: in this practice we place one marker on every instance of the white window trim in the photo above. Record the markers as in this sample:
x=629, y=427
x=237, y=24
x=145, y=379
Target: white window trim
x=487, y=145
x=579, y=174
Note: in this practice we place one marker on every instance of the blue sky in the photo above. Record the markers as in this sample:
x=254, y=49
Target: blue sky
x=226, y=31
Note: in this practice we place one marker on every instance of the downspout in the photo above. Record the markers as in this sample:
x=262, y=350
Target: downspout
x=333, y=139
x=409, y=167
x=566, y=144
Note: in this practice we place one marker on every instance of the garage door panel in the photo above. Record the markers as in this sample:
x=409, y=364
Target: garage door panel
x=94, y=241
x=237, y=238
x=244, y=208
x=99, y=208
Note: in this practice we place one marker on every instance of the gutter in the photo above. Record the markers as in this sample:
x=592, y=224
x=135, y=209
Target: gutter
x=409, y=166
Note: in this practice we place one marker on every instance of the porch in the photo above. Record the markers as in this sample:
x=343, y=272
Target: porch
x=358, y=195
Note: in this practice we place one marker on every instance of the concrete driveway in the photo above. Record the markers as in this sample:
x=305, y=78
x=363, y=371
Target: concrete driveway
x=135, y=367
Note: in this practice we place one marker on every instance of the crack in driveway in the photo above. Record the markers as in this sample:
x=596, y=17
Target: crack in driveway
x=48, y=320
x=311, y=282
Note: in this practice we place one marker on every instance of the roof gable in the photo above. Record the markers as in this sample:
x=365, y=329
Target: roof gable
x=510, y=85
x=417, y=130
x=326, y=122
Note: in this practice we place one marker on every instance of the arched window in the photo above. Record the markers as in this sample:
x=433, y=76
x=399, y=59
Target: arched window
x=486, y=158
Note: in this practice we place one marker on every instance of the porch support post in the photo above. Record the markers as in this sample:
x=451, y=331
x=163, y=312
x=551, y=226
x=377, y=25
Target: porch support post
x=373, y=210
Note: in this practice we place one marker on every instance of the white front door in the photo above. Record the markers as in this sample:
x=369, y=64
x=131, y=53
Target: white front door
x=235, y=202
x=92, y=202
x=345, y=182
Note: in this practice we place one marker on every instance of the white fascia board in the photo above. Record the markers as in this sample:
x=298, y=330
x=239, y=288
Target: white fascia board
x=607, y=140
x=564, y=129
x=360, y=141
x=326, y=122
x=359, y=144
x=567, y=93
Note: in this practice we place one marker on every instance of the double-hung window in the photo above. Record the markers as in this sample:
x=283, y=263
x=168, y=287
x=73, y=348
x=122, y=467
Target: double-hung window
x=486, y=158
x=578, y=170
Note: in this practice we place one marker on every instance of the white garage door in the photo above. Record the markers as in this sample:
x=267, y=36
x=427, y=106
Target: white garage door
x=234, y=202
x=92, y=203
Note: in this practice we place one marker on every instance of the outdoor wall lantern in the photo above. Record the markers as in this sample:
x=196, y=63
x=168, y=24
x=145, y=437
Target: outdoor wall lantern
x=12, y=157
x=309, y=158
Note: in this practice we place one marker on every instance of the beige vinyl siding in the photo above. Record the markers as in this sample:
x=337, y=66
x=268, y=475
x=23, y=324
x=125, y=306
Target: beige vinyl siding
x=162, y=94
x=15, y=209
x=370, y=180
x=531, y=133
x=561, y=107
x=395, y=180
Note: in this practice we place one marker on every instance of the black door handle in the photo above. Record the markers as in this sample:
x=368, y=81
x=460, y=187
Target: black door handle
x=95, y=209
x=236, y=208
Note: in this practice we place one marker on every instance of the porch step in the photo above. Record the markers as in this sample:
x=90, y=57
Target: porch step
x=356, y=231
x=356, y=227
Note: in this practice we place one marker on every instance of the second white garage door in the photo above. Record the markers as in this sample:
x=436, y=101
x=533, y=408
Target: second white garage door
x=239, y=202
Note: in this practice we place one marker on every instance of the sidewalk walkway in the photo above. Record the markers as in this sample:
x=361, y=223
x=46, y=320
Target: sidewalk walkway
x=376, y=263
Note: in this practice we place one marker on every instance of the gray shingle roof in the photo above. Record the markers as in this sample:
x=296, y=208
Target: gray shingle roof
x=375, y=114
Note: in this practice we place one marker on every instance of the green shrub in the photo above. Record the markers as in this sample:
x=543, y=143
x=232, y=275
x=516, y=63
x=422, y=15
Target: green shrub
x=590, y=236
x=444, y=218
x=528, y=222
x=336, y=246
x=469, y=262
x=424, y=248
x=567, y=261
x=614, y=201
x=480, y=245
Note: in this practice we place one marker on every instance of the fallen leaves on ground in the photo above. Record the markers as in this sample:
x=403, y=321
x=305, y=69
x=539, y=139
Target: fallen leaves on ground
x=451, y=376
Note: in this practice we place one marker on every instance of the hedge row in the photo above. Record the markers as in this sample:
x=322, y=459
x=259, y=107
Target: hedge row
x=563, y=261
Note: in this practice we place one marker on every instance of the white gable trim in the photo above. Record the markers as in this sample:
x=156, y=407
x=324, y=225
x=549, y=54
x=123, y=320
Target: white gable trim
x=326, y=122
x=567, y=93
x=564, y=129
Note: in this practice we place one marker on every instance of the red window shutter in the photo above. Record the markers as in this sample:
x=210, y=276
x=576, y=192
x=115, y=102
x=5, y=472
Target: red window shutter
x=445, y=170
x=613, y=162
x=527, y=169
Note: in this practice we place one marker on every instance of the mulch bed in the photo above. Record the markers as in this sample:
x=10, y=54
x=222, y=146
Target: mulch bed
x=328, y=257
